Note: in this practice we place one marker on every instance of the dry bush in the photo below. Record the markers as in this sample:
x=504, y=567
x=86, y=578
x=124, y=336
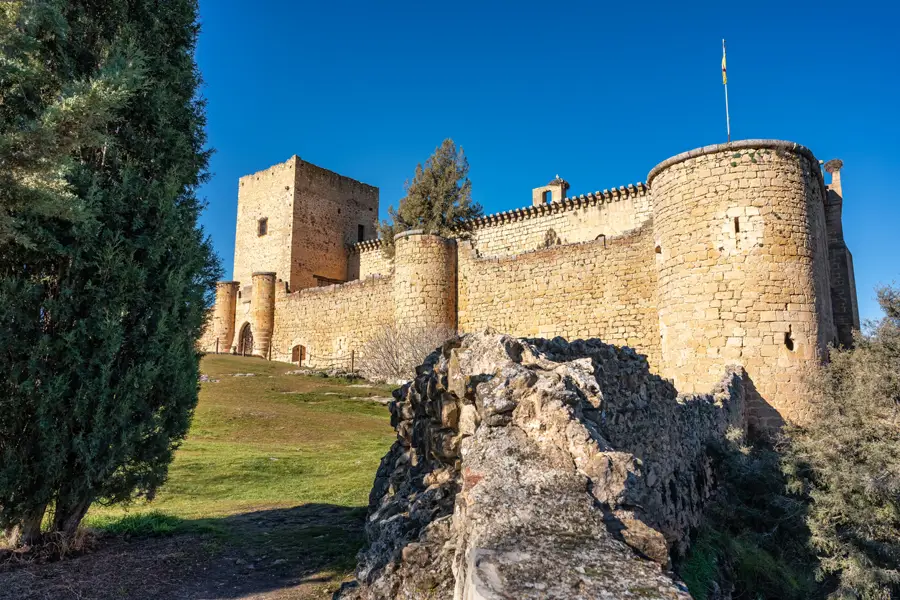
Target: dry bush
x=393, y=352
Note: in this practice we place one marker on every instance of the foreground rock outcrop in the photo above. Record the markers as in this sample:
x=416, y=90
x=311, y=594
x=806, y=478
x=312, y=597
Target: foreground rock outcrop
x=539, y=469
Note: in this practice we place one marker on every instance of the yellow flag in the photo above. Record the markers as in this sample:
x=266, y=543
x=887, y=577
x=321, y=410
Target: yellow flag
x=724, y=74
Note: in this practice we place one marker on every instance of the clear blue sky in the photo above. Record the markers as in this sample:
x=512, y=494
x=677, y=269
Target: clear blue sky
x=597, y=92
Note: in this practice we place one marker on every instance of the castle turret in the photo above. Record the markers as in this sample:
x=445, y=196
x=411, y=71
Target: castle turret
x=223, y=316
x=743, y=269
x=263, y=312
x=424, y=281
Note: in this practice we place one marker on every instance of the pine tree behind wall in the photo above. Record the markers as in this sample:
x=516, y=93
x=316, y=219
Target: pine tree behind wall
x=438, y=199
x=103, y=293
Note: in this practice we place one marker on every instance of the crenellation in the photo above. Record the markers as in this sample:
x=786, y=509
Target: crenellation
x=728, y=254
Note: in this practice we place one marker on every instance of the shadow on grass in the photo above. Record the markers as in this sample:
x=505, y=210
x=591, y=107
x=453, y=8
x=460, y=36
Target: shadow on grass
x=297, y=552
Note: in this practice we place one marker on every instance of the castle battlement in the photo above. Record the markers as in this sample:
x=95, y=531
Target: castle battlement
x=566, y=204
x=728, y=254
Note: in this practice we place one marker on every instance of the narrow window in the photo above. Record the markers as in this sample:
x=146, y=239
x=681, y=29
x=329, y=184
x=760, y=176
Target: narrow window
x=361, y=233
x=788, y=340
x=548, y=196
x=262, y=226
x=737, y=225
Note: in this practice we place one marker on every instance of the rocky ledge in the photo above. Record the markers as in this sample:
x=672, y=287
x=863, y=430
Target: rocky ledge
x=539, y=469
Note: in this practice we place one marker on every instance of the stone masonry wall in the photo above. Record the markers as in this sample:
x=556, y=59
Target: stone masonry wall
x=266, y=195
x=843, y=283
x=312, y=216
x=743, y=269
x=329, y=209
x=425, y=272
x=603, y=288
x=573, y=220
x=219, y=332
x=331, y=321
x=735, y=257
x=367, y=259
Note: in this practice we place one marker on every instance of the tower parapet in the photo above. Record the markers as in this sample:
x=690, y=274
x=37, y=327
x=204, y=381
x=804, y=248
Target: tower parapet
x=743, y=269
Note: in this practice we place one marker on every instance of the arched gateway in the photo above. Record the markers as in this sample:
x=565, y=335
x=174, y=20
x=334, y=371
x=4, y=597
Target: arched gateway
x=245, y=341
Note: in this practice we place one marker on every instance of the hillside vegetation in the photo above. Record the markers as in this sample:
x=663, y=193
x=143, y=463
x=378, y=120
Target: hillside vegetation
x=267, y=496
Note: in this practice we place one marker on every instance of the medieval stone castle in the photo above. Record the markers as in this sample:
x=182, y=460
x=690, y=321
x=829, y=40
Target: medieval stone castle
x=728, y=254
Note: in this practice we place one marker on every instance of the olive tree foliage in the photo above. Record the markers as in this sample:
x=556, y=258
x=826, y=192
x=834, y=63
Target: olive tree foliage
x=104, y=272
x=438, y=199
x=847, y=458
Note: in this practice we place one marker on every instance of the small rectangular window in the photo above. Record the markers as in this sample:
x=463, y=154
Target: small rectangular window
x=262, y=226
x=548, y=197
x=361, y=233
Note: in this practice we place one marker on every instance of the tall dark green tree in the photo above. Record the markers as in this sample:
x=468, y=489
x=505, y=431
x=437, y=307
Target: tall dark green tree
x=438, y=199
x=104, y=273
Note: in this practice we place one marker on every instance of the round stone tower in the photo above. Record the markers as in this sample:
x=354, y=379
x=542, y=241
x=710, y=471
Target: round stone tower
x=424, y=281
x=743, y=271
x=263, y=312
x=223, y=315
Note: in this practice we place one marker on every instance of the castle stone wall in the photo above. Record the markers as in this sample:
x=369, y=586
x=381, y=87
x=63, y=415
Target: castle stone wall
x=571, y=221
x=603, y=288
x=330, y=322
x=266, y=195
x=734, y=256
x=263, y=312
x=220, y=330
x=743, y=271
x=329, y=209
x=425, y=270
x=367, y=259
x=843, y=283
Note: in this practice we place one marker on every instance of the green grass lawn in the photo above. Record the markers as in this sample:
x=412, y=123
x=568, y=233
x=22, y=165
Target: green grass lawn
x=261, y=443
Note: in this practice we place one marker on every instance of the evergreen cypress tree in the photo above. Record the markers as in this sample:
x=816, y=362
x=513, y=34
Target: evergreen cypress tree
x=103, y=287
x=438, y=200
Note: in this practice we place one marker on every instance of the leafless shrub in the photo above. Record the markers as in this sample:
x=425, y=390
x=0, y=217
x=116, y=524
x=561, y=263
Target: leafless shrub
x=393, y=352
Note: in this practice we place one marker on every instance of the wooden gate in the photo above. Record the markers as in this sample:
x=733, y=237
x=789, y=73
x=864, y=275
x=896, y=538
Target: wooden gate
x=245, y=341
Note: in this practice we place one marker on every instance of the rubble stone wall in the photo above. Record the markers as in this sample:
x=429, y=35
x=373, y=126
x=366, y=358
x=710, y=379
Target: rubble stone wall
x=540, y=469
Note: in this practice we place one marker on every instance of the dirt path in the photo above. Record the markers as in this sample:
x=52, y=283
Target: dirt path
x=300, y=553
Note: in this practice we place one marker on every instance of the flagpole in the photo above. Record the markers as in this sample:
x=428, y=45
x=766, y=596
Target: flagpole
x=725, y=81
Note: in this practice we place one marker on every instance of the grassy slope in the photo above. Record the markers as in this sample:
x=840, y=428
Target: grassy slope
x=266, y=442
